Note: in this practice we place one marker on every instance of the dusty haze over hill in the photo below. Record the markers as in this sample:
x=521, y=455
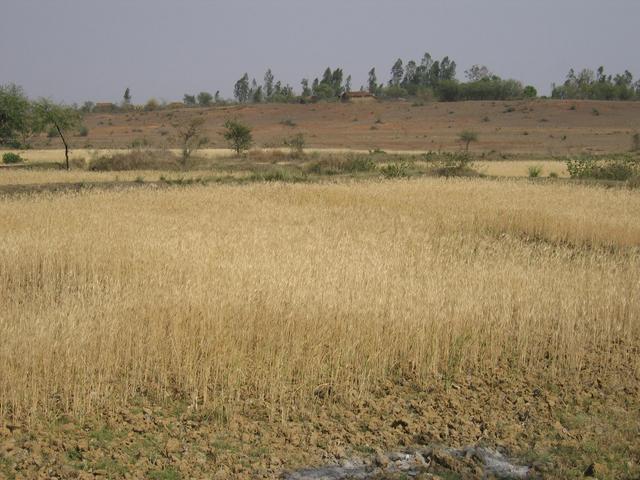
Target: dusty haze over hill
x=74, y=50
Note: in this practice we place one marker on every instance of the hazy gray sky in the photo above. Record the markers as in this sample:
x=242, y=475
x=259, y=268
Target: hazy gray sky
x=75, y=50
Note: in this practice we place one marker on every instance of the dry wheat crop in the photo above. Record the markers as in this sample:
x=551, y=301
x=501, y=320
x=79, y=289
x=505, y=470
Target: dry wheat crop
x=280, y=294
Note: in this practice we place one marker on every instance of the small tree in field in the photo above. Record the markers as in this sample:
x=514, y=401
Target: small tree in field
x=237, y=135
x=191, y=138
x=50, y=115
x=467, y=137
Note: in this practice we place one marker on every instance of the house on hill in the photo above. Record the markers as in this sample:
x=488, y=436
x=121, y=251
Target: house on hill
x=358, y=97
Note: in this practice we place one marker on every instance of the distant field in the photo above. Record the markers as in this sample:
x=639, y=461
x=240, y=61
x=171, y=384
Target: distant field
x=215, y=166
x=545, y=127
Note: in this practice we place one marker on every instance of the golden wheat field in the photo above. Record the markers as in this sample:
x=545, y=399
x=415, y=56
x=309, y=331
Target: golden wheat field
x=272, y=293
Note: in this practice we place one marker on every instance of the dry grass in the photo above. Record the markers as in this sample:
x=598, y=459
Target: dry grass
x=520, y=168
x=285, y=294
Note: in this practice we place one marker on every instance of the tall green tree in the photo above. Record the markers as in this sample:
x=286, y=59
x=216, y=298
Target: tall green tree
x=258, y=96
x=372, y=81
x=126, y=98
x=306, y=91
x=241, y=89
x=410, y=74
x=16, y=116
x=347, y=84
x=397, y=72
x=268, y=83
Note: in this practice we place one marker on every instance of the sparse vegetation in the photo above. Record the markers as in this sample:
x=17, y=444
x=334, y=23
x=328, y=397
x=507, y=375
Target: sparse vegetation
x=296, y=144
x=534, y=171
x=334, y=165
x=612, y=167
x=191, y=138
x=135, y=159
x=11, y=158
x=395, y=169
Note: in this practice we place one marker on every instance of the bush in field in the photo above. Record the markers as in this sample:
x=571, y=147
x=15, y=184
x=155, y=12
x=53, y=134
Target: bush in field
x=135, y=160
x=84, y=131
x=10, y=157
x=635, y=142
x=529, y=92
x=634, y=182
x=450, y=164
x=621, y=167
x=151, y=105
x=535, y=171
x=296, y=144
x=238, y=136
x=348, y=164
x=395, y=170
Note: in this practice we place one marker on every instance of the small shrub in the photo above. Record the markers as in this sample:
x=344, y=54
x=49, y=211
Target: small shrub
x=395, y=170
x=296, y=144
x=52, y=132
x=553, y=175
x=135, y=160
x=10, y=158
x=635, y=142
x=151, y=105
x=83, y=132
x=572, y=107
x=486, y=119
x=595, y=112
x=287, y=122
x=535, y=171
x=450, y=164
x=278, y=175
x=349, y=164
x=622, y=167
x=78, y=162
x=139, y=143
